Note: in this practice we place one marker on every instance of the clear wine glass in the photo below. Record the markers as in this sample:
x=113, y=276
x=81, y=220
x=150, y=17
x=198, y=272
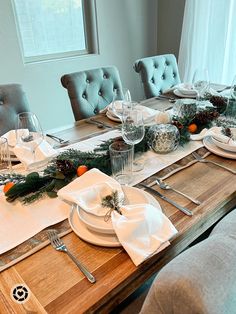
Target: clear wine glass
x=29, y=132
x=200, y=82
x=120, y=96
x=133, y=131
x=230, y=112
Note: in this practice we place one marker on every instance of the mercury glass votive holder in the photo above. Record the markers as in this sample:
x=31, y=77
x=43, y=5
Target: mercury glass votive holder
x=163, y=138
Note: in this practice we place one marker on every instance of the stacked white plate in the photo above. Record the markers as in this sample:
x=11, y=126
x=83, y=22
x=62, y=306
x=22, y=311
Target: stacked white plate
x=98, y=230
x=220, y=148
x=185, y=90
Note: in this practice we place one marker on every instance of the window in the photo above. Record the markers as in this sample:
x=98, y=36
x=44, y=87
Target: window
x=51, y=29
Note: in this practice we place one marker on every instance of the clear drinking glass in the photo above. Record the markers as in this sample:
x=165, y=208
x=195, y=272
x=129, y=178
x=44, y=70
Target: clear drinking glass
x=230, y=112
x=5, y=161
x=133, y=131
x=200, y=81
x=121, y=155
x=29, y=132
x=120, y=96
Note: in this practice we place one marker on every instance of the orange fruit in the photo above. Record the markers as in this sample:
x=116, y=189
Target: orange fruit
x=81, y=170
x=8, y=186
x=192, y=128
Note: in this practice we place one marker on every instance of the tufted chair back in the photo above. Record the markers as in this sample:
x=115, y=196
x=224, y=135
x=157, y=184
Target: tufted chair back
x=92, y=90
x=12, y=102
x=157, y=73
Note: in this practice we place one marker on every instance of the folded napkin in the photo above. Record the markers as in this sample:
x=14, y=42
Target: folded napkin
x=148, y=113
x=184, y=88
x=215, y=132
x=88, y=190
x=11, y=137
x=31, y=156
x=143, y=230
x=26, y=154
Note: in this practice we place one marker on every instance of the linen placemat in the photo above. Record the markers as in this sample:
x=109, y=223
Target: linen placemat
x=40, y=240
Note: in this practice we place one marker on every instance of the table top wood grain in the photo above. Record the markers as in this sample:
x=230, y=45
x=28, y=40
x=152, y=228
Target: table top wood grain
x=57, y=286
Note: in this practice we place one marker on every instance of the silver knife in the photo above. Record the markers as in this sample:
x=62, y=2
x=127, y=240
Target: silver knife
x=181, y=208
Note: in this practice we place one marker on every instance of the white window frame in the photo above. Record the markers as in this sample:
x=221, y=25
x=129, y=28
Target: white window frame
x=90, y=32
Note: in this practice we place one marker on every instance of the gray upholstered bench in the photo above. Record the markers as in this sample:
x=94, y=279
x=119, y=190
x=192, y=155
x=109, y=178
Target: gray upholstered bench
x=200, y=280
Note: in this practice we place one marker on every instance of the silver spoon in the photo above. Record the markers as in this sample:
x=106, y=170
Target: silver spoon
x=165, y=186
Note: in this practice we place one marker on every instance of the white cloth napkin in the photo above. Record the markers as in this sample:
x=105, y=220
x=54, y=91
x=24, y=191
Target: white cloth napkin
x=26, y=154
x=43, y=153
x=215, y=132
x=148, y=113
x=88, y=190
x=142, y=229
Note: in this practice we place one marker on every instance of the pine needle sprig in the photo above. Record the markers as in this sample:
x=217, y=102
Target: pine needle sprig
x=113, y=202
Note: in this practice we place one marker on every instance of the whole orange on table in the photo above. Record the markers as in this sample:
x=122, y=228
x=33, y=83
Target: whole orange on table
x=8, y=186
x=81, y=170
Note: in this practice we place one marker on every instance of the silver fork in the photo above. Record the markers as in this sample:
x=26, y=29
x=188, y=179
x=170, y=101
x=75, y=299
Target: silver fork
x=59, y=245
x=201, y=159
x=58, y=139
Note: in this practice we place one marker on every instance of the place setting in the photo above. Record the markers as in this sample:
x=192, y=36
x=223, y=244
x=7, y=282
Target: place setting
x=107, y=214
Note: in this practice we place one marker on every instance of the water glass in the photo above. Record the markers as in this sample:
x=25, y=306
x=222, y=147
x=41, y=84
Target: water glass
x=120, y=94
x=121, y=161
x=200, y=81
x=5, y=161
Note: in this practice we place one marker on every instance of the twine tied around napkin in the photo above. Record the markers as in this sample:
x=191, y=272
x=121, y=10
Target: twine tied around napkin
x=113, y=202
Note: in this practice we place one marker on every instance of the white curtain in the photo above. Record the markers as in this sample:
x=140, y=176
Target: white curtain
x=209, y=40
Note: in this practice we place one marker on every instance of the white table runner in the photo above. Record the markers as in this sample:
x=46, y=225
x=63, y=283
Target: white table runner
x=20, y=222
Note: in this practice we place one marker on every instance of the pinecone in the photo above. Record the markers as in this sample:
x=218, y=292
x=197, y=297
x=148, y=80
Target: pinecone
x=65, y=166
x=204, y=117
x=219, y=102
x=227, y=132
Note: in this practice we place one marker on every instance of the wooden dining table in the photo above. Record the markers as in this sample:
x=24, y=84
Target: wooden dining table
x=55, y=283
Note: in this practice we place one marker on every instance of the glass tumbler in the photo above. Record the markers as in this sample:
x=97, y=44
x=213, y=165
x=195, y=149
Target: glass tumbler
x=5, y=161
x=121, y=155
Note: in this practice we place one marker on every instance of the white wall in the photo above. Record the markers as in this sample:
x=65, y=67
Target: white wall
x=127, y=31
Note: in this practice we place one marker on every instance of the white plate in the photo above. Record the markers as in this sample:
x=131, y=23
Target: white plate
x=178, y=93
x=208, y=143
x=98, y=224
x=228, y=147
x=107, y=240
x=101, y=239
x=112, y=117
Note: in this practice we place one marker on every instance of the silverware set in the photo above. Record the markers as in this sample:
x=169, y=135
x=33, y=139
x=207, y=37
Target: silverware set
x=201, y=159
x=163, y=97
x=167, y=199
x=98, y=123
x=59, y=245
x=165, y=186
x=58, y=139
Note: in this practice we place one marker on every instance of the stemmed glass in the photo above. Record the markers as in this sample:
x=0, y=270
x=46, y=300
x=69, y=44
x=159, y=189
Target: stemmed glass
x=200, y=81
x=120, y=97
x=133, y=130
x=29, y=133
x=230, y=112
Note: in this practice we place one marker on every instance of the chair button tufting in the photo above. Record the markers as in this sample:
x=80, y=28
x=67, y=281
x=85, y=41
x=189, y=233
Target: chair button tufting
x=104, y=76
x=155, y=66
x=100, y=93
x=88, y=81
x=84, y=96
x=152, y=80
x=167, y=63
x=163, y=77
x=174, y=74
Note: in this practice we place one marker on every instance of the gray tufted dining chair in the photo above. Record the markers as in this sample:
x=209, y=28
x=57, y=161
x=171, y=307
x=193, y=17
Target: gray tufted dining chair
x=92, y=90
x=12, y=101
x=157, y=73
